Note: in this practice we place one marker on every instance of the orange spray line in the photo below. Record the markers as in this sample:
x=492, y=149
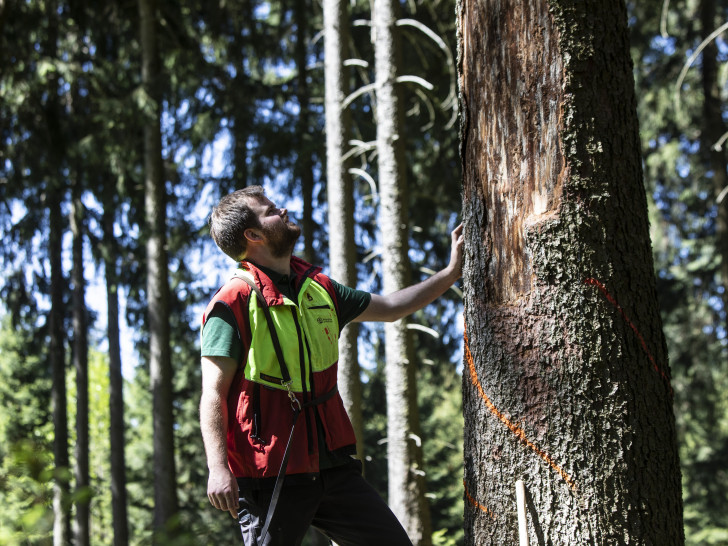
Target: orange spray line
x=610, y=299
x=515, y=429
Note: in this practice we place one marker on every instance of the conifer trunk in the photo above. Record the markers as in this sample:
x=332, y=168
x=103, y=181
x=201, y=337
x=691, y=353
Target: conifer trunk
x=56, y=349
x=566, y=381
x=116, y=390
x=80, y=363
x=155, y=201
x=304, y=161
x=57, y=356
x=342, y=255
x=406, y=474
x=714, y=127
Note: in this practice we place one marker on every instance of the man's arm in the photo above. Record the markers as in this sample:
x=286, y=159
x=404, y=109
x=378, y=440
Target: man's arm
x=217, y=375
x=408, y=300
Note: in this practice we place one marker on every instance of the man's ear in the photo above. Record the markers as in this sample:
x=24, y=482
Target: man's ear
x=253, y=235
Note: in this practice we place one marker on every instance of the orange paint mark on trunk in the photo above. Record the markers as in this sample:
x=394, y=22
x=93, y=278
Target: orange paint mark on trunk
x=603, y=289
x=475, y=503
x=515, y=429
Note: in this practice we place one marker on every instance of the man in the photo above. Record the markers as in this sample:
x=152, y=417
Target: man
x=269, y=399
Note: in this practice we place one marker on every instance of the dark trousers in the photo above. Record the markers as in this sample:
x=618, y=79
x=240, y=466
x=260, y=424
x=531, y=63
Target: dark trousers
x=338, y=502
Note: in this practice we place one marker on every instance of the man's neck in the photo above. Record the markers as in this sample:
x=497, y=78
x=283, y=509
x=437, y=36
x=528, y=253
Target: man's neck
x=279, y=265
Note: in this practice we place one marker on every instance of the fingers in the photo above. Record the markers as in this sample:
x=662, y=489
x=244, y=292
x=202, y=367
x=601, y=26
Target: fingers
x=226, y=502
x=457, y=232
x=456, y=252
x=222, y=491
x=457, y=237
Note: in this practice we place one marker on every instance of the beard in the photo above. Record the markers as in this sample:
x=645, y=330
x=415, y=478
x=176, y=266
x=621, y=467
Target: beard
x=282, y=238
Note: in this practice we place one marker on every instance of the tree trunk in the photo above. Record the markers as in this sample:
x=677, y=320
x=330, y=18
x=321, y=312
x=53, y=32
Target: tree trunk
x=165, y=495
x=56, y=350
x=61, y=501
x=242, y=96
x=342, y=255
x=406, y=474
x=116, y=381
x=80, y=363
x=304, y=161
x=566, y=382
x=713, y=129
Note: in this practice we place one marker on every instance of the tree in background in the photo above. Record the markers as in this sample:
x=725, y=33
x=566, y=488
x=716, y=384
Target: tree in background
x=340, y=193
x=675, y=52
x=80, y=365
x=407, y=486
x=117, y=444
x=158, y=307
x=566, y=381
x=304, y=163
x=57, y=357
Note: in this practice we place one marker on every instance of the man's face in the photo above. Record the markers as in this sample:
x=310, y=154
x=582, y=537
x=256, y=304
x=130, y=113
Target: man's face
x=280, y=233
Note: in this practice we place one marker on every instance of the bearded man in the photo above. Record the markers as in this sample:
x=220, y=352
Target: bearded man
x=278, y=441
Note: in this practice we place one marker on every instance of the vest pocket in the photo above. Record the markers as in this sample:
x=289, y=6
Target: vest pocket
x=255, y=433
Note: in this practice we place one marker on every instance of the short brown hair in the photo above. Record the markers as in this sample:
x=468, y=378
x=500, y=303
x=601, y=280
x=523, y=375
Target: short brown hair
x=231, y=217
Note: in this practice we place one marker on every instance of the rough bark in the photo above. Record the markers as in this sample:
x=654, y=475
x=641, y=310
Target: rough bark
x=406, y=475
x=165, y=492
x=566, y=382
x=80, y=364
x=342, y=256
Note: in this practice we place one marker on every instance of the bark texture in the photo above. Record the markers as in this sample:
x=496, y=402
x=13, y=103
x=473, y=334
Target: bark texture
x=406, y=475
x=566, y=380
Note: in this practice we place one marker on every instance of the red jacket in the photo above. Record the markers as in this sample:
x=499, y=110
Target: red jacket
x=259, y=410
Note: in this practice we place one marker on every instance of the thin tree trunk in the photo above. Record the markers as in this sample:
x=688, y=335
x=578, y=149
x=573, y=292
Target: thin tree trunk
x=241, y=172
x=304, y=160
x=566, y=382
x=116, y=381
x=714, y=128
x=61, y=500
x=57, y=355
x=80, y=363
x=243, y=111
x=406, y=474
x=165, y=492
x=342, y=255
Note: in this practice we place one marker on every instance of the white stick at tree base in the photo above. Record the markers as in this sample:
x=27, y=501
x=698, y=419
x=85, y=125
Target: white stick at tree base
x=521, y=505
